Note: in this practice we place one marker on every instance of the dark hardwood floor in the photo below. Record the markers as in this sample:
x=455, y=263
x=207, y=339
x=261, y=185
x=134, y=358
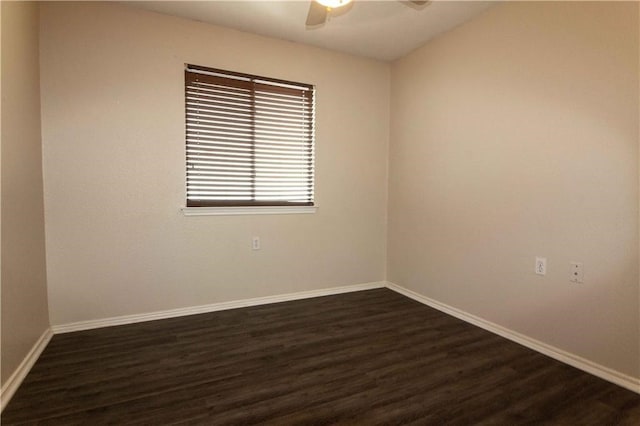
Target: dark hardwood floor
x=371, y=357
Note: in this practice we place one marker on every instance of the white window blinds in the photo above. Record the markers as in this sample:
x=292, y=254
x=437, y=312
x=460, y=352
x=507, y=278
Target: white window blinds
x=249, y=140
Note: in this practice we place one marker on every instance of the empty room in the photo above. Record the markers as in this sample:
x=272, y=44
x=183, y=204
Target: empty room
x=320, y=212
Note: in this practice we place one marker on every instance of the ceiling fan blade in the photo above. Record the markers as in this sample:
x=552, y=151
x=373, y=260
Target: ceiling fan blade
x=416, y=4
x=317, y=15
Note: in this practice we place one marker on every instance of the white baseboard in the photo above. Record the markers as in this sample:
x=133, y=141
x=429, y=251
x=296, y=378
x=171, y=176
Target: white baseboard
x=15, y=380
x=613, y=376
x=621, y=379
x=213, y=307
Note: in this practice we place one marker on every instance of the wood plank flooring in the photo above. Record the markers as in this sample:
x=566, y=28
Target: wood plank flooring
x=371, y=357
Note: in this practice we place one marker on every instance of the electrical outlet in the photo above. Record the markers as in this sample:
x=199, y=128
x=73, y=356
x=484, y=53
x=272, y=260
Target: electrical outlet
x=541, y=265
x=255, y=243
x=576, y=272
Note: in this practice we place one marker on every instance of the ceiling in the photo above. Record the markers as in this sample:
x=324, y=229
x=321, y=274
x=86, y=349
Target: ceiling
x=383, y=30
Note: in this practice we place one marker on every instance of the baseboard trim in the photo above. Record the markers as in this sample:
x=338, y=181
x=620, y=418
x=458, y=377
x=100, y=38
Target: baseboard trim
x=608, y=374
x=613, y=376
x=15, y=380
x=213, y=307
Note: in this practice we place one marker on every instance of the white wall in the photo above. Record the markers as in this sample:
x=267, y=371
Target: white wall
x=24, y=293
x=113, y=148
x=515, y=136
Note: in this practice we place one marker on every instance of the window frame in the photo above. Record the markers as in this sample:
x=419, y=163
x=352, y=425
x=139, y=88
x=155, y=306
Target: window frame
x=277, y=86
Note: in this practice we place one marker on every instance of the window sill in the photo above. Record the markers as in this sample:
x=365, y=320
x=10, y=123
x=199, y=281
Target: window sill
x=248, y=210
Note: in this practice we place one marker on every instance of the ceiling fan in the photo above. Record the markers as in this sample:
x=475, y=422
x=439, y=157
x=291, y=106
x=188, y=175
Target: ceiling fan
x=320, y=10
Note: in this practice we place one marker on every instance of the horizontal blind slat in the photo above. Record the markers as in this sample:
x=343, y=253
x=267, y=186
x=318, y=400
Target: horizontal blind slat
x=198, y=130
x=244, y=114
x=204, y=139
x=266, y=153
x=196, y=123
x=260, y=125
x=258, y=173
x=265, y=114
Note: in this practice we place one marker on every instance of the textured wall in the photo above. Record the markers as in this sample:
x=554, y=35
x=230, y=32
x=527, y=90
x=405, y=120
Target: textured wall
x=516, y=136
x=24, y=288
x=113, y=144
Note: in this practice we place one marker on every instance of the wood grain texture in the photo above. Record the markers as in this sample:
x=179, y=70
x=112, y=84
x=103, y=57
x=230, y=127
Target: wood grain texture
x=371, y=357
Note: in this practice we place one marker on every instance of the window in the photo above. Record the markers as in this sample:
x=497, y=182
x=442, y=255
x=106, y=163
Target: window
x=249, y=140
